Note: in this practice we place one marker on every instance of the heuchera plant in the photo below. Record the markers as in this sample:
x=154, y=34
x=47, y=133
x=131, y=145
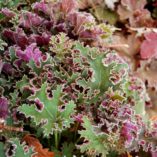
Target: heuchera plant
x=60, y=95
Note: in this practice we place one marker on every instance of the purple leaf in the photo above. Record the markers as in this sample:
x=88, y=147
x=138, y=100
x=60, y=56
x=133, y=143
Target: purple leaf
x=3, y=107
x=129, y=131
x=31, y=52
x=41, y=6
x=28, y=20
x=77, y=20
x=7, y=12
x=79, y=118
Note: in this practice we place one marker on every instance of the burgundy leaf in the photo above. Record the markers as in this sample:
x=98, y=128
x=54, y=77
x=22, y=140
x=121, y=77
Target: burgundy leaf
x=40, y=39
x=7, y=68
x=17, y=37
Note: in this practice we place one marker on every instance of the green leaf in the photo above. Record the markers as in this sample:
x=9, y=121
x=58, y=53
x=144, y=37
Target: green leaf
x=38, y=69
x=12, y=53
x=105, y=14
x=97, y=143
x=54, y=118
x=19, y=149
x=2, y=44
x=23, y=83
x=67, y=149
x=139, y=97
x=61, y=45
x=11, y=3
x=14, y=98
x=2, y=151
x=2, y=16
x=112, y=154
x=102, y=74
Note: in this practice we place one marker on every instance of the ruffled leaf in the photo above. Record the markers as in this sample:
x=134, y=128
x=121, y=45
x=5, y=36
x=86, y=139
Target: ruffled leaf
x=47, y=110
x=19, y=149
x=96, y=143
x=105, y=68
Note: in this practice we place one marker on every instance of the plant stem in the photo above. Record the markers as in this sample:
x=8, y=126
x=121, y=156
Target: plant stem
x=57, y=135
x=56, y=139
x=77, y=125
